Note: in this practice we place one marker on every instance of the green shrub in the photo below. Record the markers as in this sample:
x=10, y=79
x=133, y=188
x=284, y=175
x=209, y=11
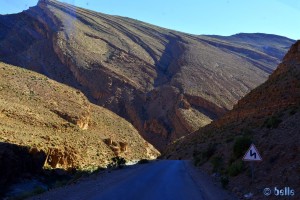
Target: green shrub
x=117, y=162
x=37, y=190
x=235, y=168
x=229, y=139
x=272, y=122
x=205, y=155
x=98, y=169
x=199, y=159
x=293, y=110
x=247, y=131
x=143, y=161
x=211, y=149
x=241, y=145
x=60, y=183
x=224, y=181
x=217, y=163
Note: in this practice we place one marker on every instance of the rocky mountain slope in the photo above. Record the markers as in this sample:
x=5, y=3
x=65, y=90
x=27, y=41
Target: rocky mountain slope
x=44, y=123
x=166, y=83
x=271, y=45
x=269, y=117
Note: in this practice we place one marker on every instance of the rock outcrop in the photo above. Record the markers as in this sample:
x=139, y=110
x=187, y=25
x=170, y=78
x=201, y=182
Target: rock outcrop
x=117, y=147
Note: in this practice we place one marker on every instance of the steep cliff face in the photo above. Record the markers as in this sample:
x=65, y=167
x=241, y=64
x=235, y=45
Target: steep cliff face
x=164, y=82
x=269, y=117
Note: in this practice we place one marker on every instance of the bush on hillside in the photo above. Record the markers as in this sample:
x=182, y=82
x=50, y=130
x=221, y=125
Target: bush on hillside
x=293, y=110
x=241, y=145
x=224, y=181
x=117, y=162
x=143, y=161
x=235, y=168
x=202, y=157
x=272, y=122
x=217, y=163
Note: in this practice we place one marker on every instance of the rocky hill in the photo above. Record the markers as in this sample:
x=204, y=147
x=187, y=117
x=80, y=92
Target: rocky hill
x=44, y=123
x=166, y=83
x=271, y=45
x=269, y=117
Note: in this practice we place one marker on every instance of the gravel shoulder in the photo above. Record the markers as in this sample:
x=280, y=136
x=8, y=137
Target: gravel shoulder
x=208, y=187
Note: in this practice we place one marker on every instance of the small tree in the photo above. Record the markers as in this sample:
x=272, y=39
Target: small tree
x=117, y=162
x=241, y=145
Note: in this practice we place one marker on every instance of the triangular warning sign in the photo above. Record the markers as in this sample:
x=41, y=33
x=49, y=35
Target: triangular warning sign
x=252, y=154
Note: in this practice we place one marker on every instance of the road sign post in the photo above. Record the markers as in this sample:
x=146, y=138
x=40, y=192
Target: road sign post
x=252, y=155
x=252, y=171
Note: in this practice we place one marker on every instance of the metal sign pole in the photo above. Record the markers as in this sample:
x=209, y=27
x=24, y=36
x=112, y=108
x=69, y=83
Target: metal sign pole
x=252, y=171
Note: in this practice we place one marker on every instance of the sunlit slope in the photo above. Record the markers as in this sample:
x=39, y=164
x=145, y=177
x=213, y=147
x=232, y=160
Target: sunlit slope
x=45, y=115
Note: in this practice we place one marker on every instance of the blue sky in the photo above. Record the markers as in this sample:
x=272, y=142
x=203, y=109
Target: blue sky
x=219, y=17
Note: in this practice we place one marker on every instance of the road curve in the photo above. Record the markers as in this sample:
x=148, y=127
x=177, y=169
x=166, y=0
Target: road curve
x=161, y=180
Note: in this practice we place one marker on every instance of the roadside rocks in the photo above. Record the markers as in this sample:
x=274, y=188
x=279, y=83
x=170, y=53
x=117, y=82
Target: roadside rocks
x=65, y=158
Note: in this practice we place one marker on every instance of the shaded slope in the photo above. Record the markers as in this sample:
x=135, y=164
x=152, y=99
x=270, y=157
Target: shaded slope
x=268, y=116
x=164, y=82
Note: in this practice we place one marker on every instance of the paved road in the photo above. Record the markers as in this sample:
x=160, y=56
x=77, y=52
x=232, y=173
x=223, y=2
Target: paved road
x=161, y=180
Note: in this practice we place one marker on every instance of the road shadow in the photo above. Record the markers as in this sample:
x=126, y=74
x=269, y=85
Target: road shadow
x=23, y=173
x=16, y=161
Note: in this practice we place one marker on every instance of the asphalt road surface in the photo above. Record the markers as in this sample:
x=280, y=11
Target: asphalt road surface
x=161, y=180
